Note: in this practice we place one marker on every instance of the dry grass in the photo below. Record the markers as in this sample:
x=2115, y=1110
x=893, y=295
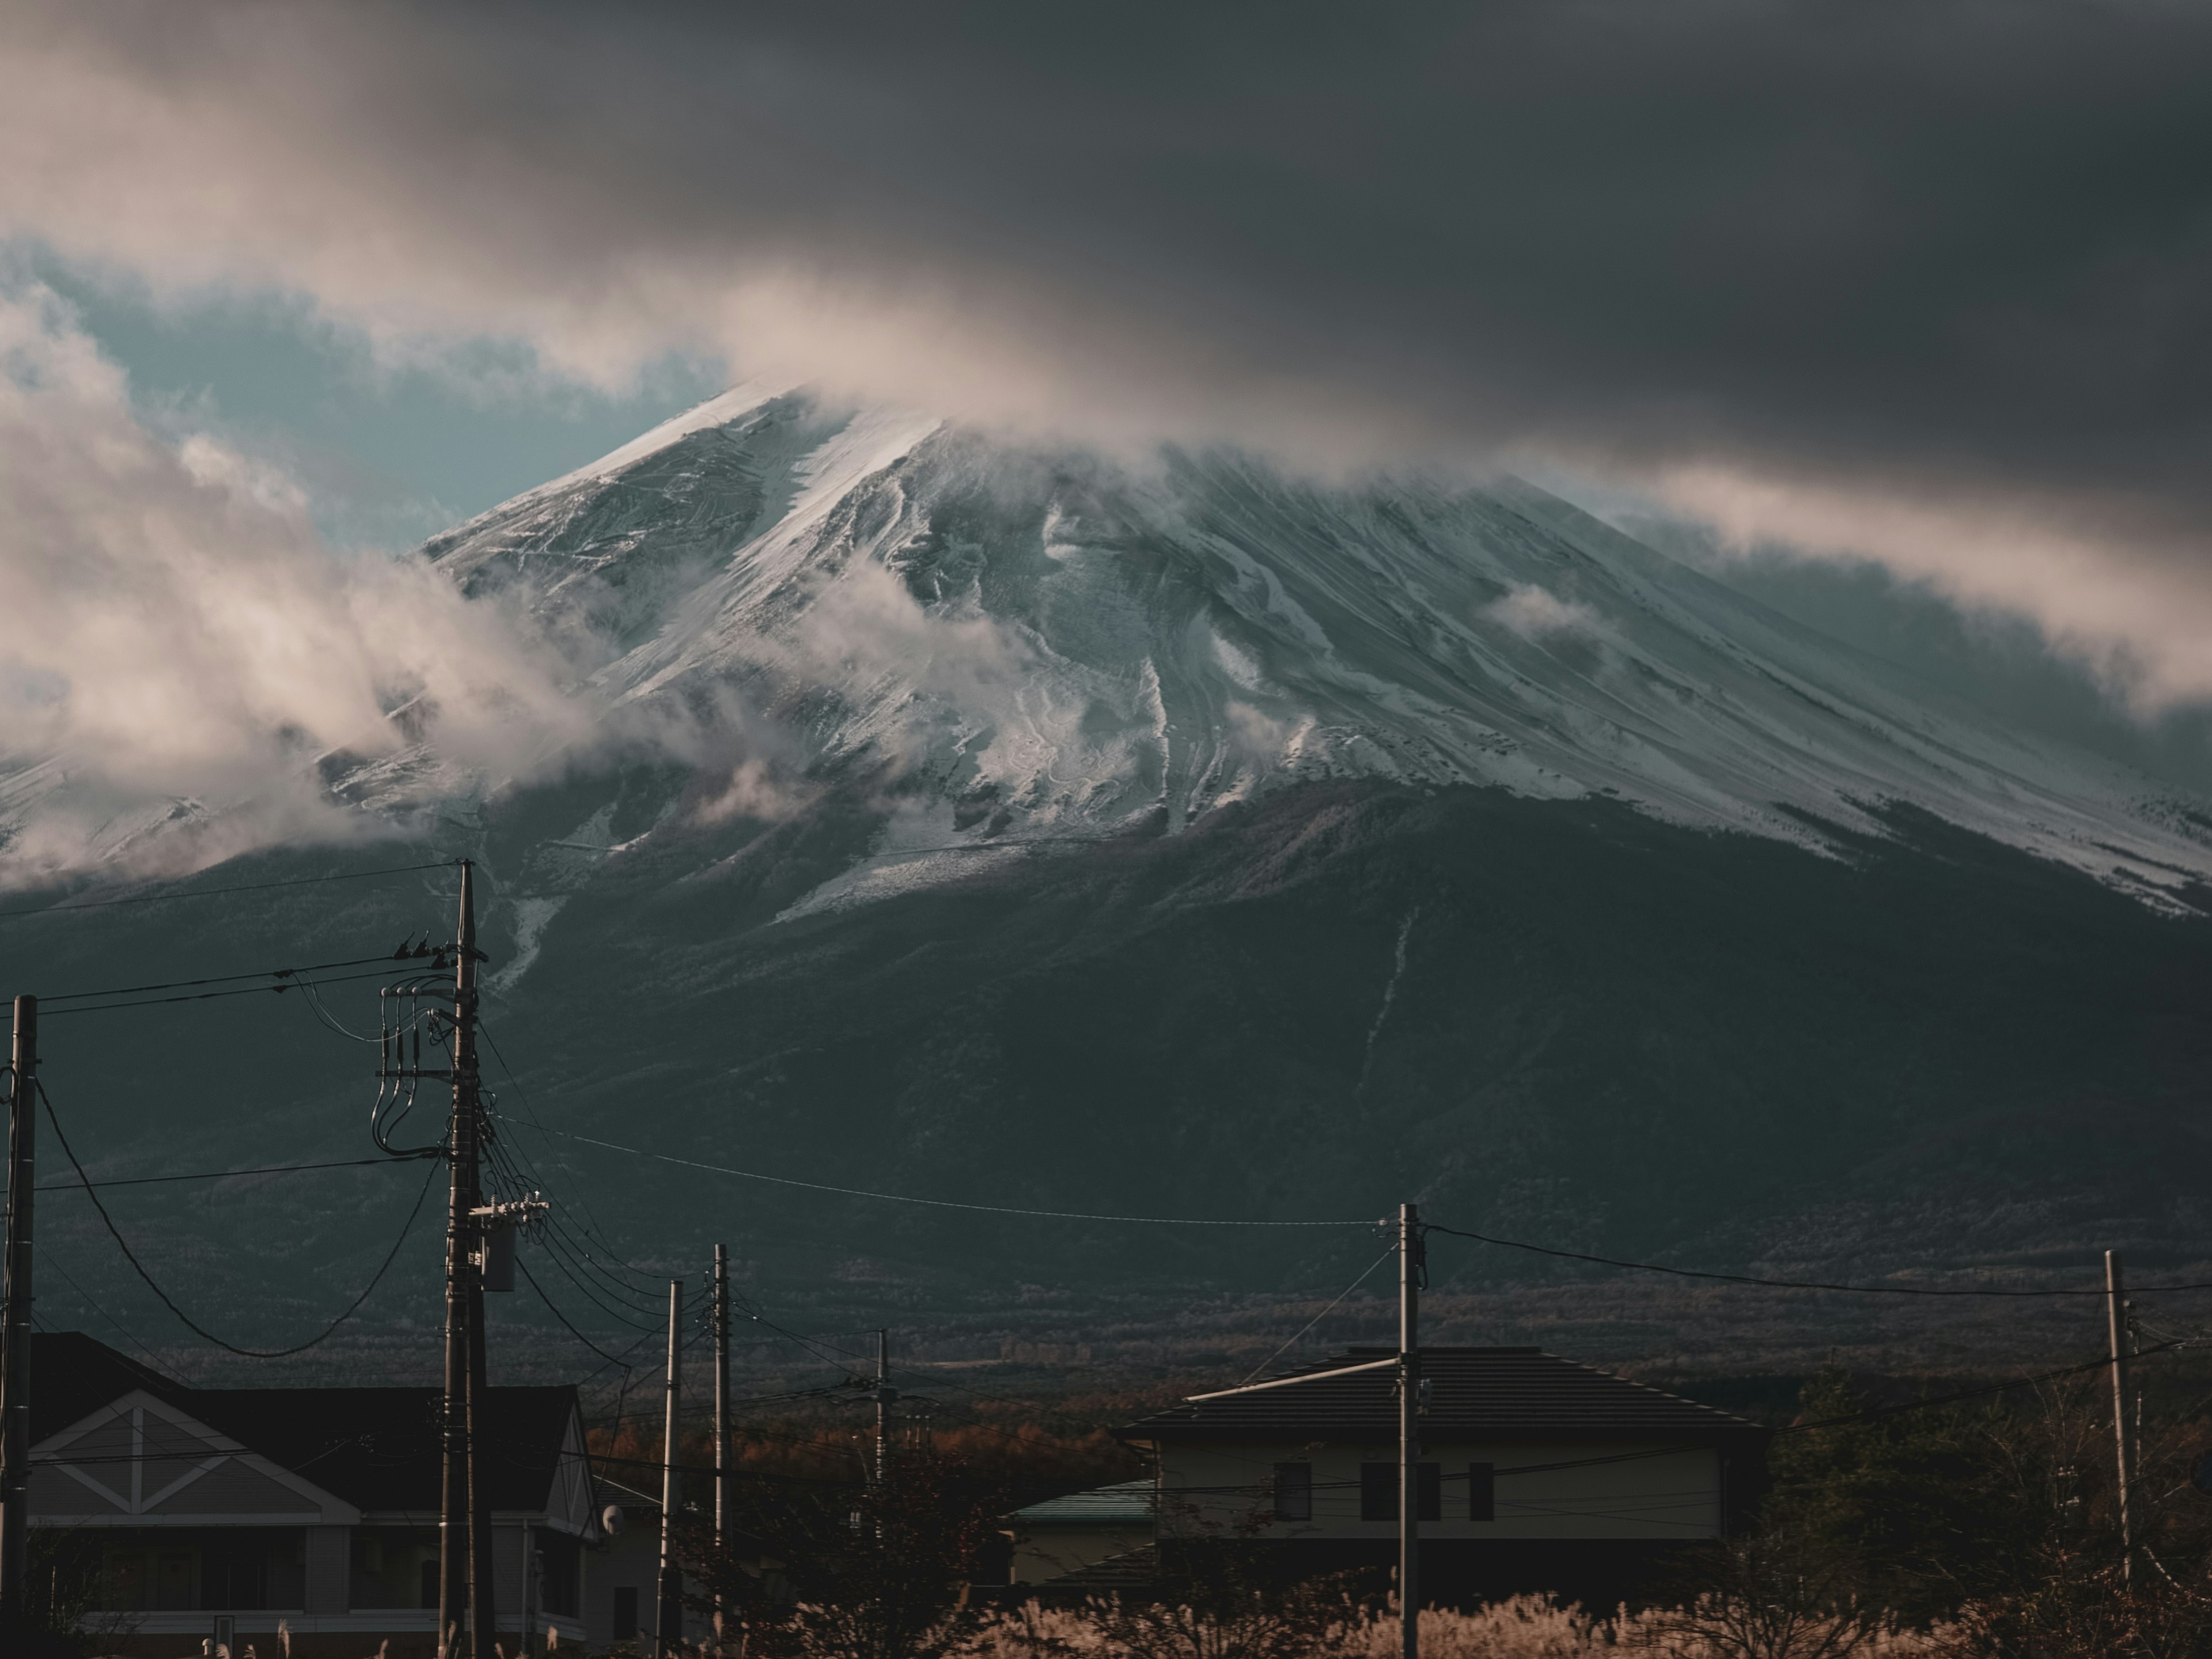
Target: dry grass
x=1524, y=1627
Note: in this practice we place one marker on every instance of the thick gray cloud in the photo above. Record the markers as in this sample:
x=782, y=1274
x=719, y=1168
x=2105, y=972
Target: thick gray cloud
x=1930, y=281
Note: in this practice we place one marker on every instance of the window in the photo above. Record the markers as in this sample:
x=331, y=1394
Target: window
x=1293, y=1491
x=1379, y=1491
x=126, y=1582
x=173, y=1580
x=1482, y=1491
x=558, y=1565
x=625, y=1612
x=427, y=1594
x=234, y=1573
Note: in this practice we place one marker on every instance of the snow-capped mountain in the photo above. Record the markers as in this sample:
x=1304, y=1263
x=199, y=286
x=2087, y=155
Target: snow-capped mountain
x=1175, y=838
x=1021, y=649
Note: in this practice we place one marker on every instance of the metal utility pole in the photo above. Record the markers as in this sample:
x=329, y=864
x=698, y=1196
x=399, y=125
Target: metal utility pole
x=1409, y=1431
x=2116, y=1317
x=16, y=1337
x=721, y=1431
x=886, y=1397
x=668, y=1625
x=464, y=1562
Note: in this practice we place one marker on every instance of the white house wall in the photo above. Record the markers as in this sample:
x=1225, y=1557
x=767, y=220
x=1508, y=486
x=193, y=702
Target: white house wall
x=568, y=1504
x=1225, y=1490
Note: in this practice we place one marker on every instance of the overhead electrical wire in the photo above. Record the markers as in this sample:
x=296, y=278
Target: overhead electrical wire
x=619, y=1316
x=946, y=1203
x=515, y=1163
x=314, y=999
x=279, y=989
x=193, y=1325
x=214, y=1175
x=128, y=1335
x=1793, y=1284
x=570, y=1259
x=1322, y=1315
x=45, y=1002
x=592, y=1227
x=566, y=1323
x=243, y=887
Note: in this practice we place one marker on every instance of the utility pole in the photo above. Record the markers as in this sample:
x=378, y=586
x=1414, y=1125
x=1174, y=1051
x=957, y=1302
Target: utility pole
x=1409, y=1431
x=15, y=1335
x=886, y=1397
x=721, y=1433
x=668, y=1625
x=464, y=1562
x=2116, y=1319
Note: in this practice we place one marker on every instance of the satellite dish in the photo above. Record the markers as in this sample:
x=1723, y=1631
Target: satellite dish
x=2200, y=1472
x=610, y=1519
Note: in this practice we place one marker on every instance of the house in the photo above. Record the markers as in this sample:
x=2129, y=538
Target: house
x=316, y=1509
x=1063, y=1536
x=1537, y=1473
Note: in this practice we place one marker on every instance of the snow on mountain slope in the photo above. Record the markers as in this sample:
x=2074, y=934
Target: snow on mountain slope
x=1023, y=649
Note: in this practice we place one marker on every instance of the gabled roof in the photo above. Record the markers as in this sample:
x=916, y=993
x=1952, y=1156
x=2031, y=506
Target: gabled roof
x=381, y=1448
x=1479, y=1394
x=378, y=1448
x=1125, y=1502
x=73, y=1375
x=140, y=1460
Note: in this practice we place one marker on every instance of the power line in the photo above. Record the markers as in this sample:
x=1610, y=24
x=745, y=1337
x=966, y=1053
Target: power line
x=128, y=1335
x=1787, y=1284
x=507, y=1158
x=244, y=887
x=570, y=1258
x=592, y=1227
x=946, y=1203
x=565, y=1323
x=1322, y=1315
x=2098, y=1364
x=218, y=1175
x=139, y=1267
x=208, y=996
x=216, y=979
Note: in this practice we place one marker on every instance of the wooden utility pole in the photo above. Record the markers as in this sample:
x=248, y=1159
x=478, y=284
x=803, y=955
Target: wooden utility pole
x=464, y=1562
x=668, y=1623
x=721, y=1433
x=2115, y=1323
x=1409, y=1431
x=15, y=1326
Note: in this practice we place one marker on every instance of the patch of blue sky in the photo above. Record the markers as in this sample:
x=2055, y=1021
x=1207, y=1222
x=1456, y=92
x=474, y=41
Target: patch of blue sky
x=389, y=447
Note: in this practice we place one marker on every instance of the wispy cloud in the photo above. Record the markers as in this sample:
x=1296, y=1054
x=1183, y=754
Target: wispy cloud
x=1535, y=613
x=1949, y=263
x=177, y=629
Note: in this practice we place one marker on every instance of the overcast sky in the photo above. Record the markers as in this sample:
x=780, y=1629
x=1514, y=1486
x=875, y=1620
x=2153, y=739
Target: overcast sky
x=1928, y=284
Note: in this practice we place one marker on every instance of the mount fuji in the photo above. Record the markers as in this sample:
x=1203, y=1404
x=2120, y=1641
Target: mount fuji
x=1030, y=650
x=1170, y=836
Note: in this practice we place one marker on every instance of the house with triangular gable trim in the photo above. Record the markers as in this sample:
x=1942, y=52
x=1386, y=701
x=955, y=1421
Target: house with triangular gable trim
x=315, y=1509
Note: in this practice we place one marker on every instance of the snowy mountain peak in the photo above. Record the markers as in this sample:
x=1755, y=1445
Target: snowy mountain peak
x=1022, y=648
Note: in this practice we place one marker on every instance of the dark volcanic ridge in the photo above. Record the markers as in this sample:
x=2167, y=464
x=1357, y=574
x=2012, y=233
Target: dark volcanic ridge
x=1037, y=833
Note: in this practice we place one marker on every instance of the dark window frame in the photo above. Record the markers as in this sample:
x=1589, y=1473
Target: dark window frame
x=625, y=1611
x=1294, y=1492
x=1482, y=1491
x=1379, y=1491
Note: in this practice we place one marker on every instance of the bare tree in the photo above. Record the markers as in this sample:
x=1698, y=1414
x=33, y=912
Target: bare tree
x=823, y=1571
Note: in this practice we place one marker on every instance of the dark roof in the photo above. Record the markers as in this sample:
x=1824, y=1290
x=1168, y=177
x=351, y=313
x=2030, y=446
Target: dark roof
x=73, y=1375
x=378, y=1448
x=1475, y=1394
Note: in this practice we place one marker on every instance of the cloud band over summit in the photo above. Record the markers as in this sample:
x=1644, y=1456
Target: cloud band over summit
x=1773, y=259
